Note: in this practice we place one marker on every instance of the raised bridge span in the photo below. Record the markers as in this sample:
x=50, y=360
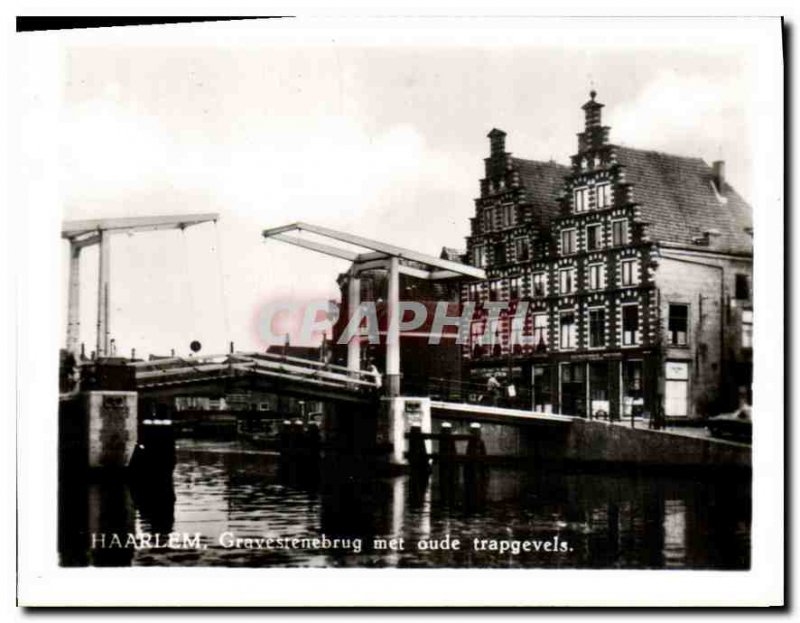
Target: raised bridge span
x=216, y=374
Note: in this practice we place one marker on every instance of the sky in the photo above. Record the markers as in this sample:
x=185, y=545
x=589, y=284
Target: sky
x=386, y=141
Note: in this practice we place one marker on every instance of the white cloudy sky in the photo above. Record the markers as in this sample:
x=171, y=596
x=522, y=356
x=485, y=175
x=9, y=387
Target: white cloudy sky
x=385, y=141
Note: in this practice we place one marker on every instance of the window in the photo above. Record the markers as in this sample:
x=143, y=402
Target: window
x=596, y=277
x=539, y=284
x=632, y=388
x=565, y=280
x=508, y=215
x=494, y=337
x=630, y=325
x=472, y=292
x=475, y=333
x=540, y=331
x=514, y=288
x=517, y=329
x=479, y=256
x=568, y=241
x=597, y=328
x=522, y=248
x=500, y=253
x=747, y=328
x=566, y=337
x=542, y=389
x=619, y=232
x=581, y=199
x=494, y=290
x=594, y=237
x=742, y=287
x=487, y=219
x=630, y=272
x=603, y=195
x=678, y=324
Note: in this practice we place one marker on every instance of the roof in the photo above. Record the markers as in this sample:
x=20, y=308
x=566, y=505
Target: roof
x=679, y=200
x=543, y=183
x=452, y=254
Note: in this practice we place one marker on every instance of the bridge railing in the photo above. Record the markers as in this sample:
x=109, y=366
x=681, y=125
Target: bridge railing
x=322, y=365
x=466, y=391
x=295, y=368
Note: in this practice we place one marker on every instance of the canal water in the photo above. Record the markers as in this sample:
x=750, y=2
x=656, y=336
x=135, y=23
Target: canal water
x=497, y=517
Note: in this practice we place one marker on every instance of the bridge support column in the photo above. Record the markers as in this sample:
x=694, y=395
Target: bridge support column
x=103, y=294
x=353, y=304
x=393, y=330
x=397, y=416
x=73, y=300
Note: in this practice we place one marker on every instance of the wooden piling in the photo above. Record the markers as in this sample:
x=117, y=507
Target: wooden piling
x=417, y=452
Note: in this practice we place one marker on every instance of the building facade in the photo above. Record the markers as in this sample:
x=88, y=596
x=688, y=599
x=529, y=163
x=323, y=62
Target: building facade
x=623, y=281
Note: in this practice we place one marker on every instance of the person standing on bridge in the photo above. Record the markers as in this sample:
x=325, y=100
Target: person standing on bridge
x=493, y=389
x=376, y=374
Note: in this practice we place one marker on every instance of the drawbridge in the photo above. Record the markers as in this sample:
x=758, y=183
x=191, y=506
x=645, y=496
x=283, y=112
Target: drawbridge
x=267, y=372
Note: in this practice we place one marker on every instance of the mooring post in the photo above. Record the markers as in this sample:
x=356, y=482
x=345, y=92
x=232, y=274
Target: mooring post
x=447, y=446
x=298, y=442
x=313, y=440
x=417, y=453
x=284, y=435
x=476, y=448
x=447, y=455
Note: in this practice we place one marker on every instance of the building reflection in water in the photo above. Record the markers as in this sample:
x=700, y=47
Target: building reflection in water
x=91, y=514
x=608, y=520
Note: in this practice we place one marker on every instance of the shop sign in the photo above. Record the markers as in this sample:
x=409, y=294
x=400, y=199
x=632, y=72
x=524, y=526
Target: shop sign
x=677, y=371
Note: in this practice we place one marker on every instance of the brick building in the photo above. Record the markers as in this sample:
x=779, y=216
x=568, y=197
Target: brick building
x=636, y=270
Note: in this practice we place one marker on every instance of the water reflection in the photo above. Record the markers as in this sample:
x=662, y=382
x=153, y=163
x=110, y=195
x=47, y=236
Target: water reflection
x=624, y=521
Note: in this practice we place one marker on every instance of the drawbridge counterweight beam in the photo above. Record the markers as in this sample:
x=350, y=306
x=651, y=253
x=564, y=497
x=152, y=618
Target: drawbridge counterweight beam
x=85, y=233
x=381, y=256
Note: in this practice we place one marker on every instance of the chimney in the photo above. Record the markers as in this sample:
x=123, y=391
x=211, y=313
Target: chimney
x=719, y=175
x=497, y=141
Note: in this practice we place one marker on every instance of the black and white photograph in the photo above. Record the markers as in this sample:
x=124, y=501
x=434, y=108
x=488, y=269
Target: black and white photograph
x=373, y=302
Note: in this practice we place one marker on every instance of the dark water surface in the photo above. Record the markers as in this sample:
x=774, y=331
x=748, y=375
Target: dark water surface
x=583, y=519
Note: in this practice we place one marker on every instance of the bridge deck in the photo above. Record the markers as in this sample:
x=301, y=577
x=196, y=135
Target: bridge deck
x=488, y=410
x=175, y=373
